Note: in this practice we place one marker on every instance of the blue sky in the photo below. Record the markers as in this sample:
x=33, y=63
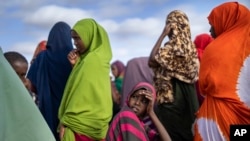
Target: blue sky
x=133, y=25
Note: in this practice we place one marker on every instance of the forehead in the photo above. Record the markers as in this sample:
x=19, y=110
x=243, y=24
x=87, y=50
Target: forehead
x=74, y=33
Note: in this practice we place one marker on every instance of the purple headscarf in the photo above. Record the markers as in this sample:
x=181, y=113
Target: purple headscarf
x=120, y=66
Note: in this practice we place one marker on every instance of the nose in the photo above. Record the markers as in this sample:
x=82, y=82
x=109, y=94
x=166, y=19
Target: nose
x=138, y=101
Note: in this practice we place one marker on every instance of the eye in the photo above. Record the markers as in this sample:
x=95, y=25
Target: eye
x=135, y=96
x=144, y=101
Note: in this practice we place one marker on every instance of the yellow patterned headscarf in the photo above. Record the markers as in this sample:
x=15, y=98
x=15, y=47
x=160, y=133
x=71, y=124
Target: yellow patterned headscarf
x=178, y=58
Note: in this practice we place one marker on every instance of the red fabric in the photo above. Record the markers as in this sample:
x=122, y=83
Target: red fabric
x=201, y=41
x=79, y=137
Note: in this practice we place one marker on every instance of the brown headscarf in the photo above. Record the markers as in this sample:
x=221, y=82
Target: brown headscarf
x=178, y=58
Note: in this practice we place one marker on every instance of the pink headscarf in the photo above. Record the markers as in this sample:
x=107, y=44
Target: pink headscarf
x=143, y=85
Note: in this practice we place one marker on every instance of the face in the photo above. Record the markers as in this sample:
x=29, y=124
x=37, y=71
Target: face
x=212, y=32
x=138, y=103
x=21, y=70
x=114, y=70
x=78, y=42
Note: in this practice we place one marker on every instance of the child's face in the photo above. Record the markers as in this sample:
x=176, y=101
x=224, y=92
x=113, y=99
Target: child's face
x=138, y=103
x=21, y=70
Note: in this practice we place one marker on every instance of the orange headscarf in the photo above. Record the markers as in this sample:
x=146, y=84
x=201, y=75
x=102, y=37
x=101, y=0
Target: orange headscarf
x=224, y=74
x=40, y=47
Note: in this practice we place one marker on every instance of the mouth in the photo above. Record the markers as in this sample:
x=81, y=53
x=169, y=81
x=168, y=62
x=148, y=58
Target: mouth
x=135, y=109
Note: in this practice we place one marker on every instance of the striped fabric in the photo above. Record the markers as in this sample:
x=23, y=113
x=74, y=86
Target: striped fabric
x=126, y=127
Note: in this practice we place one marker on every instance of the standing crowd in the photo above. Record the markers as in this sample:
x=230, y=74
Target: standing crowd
x=184, y=90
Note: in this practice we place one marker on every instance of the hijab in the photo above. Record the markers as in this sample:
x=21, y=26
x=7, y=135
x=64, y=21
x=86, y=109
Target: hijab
x=137, y=70
x=201, y=41
x=50, y=71
x=224, y=73
x=86, y=107
x=177, y=59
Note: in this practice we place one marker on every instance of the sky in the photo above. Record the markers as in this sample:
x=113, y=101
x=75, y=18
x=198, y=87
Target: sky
x=133, y=26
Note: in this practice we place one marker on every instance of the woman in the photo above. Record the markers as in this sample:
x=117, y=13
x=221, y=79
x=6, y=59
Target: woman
x=86, y=107
x=224, y=74
x=49, y=73
x=201, y=41
x=118, y=69
x=128, y=123
x=175, y=69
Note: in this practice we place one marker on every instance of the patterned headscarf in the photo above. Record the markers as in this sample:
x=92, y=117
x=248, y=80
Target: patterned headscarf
x=178, y=58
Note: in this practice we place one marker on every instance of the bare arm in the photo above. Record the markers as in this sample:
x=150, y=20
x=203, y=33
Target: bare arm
x=152, y=62
x=150, y=110
x=161, y=129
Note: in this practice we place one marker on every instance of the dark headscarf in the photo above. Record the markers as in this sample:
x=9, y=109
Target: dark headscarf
x=50, y=71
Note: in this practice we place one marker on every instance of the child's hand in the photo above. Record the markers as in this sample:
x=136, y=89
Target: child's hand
x=73, y=56
x=149, y=96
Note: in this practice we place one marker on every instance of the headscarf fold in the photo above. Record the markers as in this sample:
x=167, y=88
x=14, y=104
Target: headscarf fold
x=86, y=107
x=178, y=58
x=20, y=118
x=224, y=74
x=126, y=126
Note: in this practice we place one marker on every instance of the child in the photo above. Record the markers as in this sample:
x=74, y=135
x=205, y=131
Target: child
x=20, y=66
x=127, y=124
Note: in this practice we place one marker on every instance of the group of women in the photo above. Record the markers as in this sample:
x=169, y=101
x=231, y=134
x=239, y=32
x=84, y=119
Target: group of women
x=75, y=94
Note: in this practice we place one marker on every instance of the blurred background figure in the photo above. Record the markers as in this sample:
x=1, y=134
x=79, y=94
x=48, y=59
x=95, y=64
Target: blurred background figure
x=201, y=41
x=117, y=68
x=39, y=48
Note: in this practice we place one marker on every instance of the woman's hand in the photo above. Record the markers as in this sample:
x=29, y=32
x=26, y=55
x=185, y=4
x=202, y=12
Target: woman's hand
x=166, y=30
x=61, y=132
x=73, y=56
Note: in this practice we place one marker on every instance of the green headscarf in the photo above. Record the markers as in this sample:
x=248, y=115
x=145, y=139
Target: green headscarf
x=86, y=107
x=20, y=118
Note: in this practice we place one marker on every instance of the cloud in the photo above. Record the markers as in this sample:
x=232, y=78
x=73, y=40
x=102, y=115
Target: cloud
x=50, y=14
